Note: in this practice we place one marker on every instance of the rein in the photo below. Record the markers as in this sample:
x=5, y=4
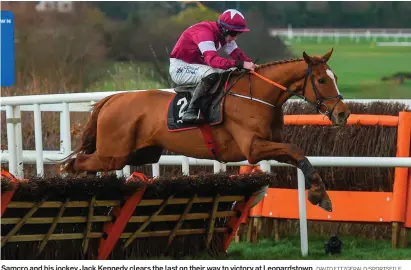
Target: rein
x=227, y=90
x=317, y=104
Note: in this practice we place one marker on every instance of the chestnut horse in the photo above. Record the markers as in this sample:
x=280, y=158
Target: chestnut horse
x=131, y=128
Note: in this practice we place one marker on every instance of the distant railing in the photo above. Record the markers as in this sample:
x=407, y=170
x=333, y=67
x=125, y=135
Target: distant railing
x=398, y=35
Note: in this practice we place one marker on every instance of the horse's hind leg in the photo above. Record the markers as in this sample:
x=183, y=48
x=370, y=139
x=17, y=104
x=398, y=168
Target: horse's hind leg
x=95, y=163
x=289, y=153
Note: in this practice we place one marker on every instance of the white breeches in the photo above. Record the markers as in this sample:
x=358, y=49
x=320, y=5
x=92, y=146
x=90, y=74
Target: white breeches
x=183, y=73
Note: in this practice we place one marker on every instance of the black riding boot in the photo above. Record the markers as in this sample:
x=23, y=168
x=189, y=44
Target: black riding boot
x=192, y=115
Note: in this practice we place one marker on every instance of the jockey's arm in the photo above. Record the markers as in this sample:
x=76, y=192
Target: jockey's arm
x=209, y=51
x=235, y=52
x=216, y=61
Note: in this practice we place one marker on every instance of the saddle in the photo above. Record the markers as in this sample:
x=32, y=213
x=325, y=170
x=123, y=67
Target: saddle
x=212, y=110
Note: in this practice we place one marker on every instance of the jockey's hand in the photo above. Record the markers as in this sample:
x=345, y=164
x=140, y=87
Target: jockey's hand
x=249, y=66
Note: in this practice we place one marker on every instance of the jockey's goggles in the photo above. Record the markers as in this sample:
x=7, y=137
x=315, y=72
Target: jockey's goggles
x=232, y=33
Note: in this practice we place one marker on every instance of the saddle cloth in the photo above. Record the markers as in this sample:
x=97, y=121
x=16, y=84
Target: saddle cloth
x=213, y=113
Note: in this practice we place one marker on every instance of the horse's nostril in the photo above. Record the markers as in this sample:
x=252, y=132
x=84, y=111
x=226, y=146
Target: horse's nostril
x=342, y=116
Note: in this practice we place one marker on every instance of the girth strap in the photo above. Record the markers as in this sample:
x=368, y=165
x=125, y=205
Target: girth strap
x=209, y=139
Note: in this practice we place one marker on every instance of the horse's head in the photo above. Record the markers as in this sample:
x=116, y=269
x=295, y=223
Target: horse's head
x=319, y=87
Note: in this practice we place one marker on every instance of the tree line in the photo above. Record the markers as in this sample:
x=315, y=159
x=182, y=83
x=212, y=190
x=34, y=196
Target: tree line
x=336, y=14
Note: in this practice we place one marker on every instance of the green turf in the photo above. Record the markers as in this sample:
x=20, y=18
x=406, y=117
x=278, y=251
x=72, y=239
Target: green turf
x=128, y=76
x=360, y=66
x=288, y=248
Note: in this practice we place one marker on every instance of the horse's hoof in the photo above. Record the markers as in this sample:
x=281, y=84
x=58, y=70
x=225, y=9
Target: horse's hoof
x=314, y=197
x=326, y=205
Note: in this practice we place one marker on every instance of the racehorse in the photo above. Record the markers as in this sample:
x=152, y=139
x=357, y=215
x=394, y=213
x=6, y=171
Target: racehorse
x=130, y=128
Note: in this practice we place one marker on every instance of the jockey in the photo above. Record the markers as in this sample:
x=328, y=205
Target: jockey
x=194, y=59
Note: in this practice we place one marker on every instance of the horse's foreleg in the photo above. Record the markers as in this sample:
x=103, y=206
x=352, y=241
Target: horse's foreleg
x=289, y=153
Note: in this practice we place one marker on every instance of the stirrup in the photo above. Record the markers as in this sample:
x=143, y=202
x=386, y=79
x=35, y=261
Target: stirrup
x=196, y=119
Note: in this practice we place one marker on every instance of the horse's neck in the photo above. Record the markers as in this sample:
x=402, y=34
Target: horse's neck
x=285, y=74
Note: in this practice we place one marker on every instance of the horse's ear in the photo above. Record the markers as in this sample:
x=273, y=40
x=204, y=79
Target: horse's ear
x=327, y=56
x=307, y=58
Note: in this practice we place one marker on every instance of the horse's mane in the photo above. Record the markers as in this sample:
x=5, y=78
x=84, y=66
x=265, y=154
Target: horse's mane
x=280, y=62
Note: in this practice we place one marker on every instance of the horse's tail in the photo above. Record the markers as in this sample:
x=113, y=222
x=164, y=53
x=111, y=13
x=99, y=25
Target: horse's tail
x=88, y=139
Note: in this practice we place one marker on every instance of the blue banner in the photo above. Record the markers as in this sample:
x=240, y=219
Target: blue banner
x=7, y=49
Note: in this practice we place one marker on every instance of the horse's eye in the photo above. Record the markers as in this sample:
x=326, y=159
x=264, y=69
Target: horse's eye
x=321, y=80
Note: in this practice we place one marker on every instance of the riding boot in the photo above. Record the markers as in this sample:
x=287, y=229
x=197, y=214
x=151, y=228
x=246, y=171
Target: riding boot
x=193, y=114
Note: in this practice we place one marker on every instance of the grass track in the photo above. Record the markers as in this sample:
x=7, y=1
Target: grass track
x=288, y=248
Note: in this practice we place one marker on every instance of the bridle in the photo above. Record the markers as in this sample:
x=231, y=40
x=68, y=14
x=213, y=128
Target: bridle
x=318, y=104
